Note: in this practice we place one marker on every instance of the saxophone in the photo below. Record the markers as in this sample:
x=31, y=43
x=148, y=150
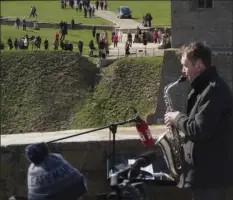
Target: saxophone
x=170, y=142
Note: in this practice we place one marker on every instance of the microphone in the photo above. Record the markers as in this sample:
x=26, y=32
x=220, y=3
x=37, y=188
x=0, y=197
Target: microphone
x=144, y=132
x=145, y=159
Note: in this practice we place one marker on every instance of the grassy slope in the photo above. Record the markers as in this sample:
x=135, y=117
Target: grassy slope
x=40, y=90
x=47, y=11
x=128, y=82
x=49, y=33
x=54, y=91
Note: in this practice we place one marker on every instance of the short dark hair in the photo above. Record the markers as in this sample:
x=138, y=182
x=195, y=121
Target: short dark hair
x=198, y=51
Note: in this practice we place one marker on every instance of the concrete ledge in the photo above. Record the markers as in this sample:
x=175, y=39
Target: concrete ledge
x=123, y=133
x=88, y=153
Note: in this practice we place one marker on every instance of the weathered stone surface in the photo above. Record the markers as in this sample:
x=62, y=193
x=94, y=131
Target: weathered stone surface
x=190, y=23
x=90, y=157
x=87, y=153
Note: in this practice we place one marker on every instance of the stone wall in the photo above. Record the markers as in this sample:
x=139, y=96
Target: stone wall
x=89, y=157
x=171, y=70
x=214, y=25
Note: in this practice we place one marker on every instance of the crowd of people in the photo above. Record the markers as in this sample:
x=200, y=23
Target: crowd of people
x=145, y=36
x=60, y=42
x=81, y=5
x=23, y=42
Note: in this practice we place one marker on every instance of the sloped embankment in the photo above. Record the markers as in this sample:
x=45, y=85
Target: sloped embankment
x=39, y=90
x=126, y=83
x=48, y=91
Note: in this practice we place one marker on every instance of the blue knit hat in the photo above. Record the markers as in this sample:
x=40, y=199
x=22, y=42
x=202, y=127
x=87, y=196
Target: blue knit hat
x=50, y=177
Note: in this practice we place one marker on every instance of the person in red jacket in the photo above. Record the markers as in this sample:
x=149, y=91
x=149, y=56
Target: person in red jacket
x=155, y=36
x=115, y=40
x=57, y=36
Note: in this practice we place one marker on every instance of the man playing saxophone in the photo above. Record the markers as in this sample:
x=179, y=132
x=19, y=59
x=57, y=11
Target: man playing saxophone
x=207, y=125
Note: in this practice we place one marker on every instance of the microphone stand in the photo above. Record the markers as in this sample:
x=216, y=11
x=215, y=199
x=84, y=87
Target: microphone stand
x=112, y=128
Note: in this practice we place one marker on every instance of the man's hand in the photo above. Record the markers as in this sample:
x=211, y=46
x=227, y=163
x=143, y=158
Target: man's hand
x=169, y=118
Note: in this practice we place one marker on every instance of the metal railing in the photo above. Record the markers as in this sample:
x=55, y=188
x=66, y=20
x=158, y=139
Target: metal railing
x=136, y=52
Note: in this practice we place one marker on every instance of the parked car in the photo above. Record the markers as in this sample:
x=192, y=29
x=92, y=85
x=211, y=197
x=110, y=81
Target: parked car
x=124, y=12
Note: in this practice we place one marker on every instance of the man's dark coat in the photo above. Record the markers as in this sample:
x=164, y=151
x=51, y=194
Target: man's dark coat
x=209, y=133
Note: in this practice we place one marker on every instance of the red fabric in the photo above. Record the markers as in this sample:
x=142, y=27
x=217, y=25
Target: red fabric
x=57, y=36
x=115, y=38
x=155, y=35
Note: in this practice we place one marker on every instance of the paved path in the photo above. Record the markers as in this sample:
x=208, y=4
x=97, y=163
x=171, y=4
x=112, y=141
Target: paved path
x=121, y=23
x=123, y=133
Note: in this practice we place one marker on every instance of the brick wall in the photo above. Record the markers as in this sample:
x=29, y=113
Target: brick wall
x=214, y=25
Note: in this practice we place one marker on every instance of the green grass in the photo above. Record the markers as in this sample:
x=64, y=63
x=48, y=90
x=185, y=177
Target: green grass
x=40, y=90
x=160, y=10
x=73, y=36
x=47, y=11
x=118, y=90
x=59, y=90
x=50, y=11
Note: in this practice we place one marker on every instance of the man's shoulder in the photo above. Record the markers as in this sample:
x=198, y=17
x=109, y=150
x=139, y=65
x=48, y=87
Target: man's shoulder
x=219, y=88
